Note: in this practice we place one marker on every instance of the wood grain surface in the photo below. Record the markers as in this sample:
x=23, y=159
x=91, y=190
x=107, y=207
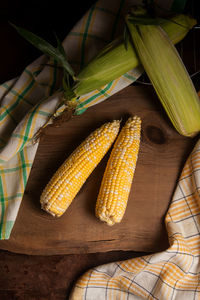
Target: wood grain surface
x=162, y=155
x=31, y=277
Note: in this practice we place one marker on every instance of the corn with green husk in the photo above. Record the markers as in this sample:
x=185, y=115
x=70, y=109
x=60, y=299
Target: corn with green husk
x=168, y=75
x=112, y=62
x=116, y=59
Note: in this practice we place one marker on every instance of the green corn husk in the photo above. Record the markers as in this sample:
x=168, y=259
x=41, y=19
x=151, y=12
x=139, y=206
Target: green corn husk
x=115, y=60
x=168, y=75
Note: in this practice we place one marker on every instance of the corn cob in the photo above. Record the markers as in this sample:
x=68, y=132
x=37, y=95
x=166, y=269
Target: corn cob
x=115, y=187
x=168, y=75
x=67, y=181
x=115, y=60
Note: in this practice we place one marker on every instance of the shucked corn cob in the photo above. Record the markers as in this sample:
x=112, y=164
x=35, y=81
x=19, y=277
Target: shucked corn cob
x=67, y=181
x=115, y=187
x=115, y=60
x=168, y=75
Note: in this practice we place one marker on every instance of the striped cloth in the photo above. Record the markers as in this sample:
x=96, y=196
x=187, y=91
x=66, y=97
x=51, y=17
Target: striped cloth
x=27, y=102
x=172, y=274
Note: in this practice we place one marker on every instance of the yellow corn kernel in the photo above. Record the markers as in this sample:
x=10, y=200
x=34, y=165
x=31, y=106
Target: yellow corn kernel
x=116, y=184
x=69, y=178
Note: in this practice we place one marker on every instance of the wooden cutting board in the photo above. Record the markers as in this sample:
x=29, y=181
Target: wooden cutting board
x=161, y=158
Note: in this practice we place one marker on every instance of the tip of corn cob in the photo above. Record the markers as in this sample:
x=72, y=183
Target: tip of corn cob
x=133, y=122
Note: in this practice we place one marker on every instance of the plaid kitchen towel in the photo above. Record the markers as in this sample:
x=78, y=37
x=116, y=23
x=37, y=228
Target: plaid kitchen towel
x=27, y=102
x=172, y=274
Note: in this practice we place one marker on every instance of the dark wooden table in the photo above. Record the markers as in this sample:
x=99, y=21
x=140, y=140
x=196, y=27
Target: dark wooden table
x=40, y=277
x=47, y=277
